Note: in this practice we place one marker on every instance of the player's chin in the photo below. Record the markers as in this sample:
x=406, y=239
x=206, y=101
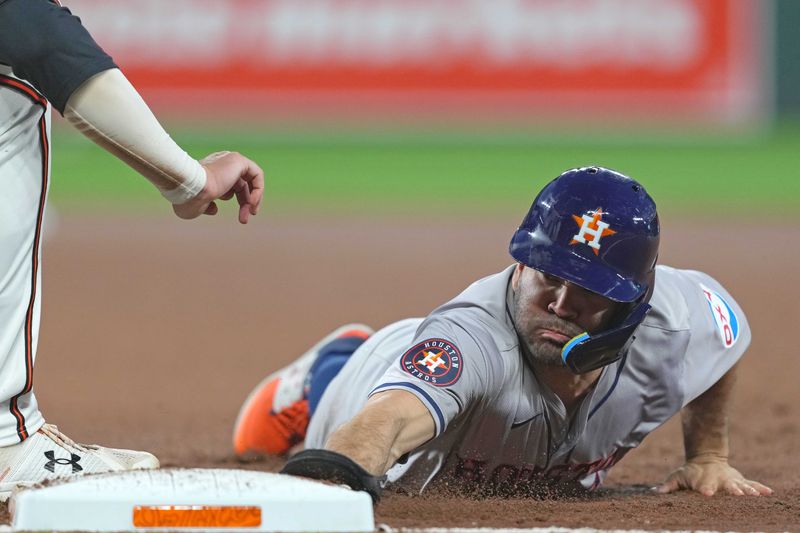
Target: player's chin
x=547, y=353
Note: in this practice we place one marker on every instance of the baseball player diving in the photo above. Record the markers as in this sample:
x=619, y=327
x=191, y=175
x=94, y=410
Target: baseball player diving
x=47, y=59
x=540, y=377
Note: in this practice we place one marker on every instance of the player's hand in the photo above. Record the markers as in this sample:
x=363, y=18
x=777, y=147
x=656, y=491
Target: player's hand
x=332, y=467
x=227, y=174
x=711, y=475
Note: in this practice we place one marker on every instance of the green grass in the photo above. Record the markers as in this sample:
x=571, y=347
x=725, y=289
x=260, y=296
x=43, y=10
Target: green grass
x=444, y=176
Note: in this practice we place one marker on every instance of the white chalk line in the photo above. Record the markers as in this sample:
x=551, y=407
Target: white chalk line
x=382, y=528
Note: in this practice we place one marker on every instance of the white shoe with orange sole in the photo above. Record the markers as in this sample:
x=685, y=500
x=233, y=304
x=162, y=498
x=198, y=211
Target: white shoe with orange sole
x=275, y=415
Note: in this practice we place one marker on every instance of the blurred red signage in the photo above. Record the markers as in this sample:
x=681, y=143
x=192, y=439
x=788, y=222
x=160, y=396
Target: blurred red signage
x=691, y=58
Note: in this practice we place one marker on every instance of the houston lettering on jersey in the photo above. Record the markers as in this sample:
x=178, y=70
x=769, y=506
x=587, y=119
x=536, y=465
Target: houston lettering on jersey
x=473, y=475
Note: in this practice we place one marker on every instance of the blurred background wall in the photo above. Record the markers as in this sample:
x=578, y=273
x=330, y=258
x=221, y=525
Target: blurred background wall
x=529, y=63
x=788, y=55
x=366, y=106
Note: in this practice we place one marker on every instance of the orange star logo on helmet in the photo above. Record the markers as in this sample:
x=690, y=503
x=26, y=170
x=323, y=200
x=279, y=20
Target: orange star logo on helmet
x=592, y=229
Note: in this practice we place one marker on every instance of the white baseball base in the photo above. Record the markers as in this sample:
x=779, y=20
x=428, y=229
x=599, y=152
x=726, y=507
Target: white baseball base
x=191, y=500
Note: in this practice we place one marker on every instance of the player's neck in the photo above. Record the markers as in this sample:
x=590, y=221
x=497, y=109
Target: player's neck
x=569, y=387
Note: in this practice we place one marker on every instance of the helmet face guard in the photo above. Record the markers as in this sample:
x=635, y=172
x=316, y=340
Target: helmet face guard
x=598, y=229
x=589, y=352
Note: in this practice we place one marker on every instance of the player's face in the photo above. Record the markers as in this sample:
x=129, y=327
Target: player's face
x=549, y=311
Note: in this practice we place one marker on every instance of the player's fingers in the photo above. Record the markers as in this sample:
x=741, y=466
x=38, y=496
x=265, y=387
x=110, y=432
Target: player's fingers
x=670, y=485
x=228, y=195
x=749, y=489
x=244, y=214
x=762, y=489
x=732, y=487
x=707, y=489
x=211, y=209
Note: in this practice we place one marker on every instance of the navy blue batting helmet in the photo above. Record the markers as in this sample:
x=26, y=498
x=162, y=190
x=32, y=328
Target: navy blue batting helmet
x=598, y=229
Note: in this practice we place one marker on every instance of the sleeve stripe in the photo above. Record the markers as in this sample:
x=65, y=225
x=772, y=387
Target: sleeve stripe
x=420, y=392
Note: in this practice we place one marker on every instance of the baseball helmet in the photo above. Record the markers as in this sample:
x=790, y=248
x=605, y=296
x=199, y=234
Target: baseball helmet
x=598, y=229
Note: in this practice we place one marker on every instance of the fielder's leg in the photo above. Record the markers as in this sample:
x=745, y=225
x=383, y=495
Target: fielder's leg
x=30, y=450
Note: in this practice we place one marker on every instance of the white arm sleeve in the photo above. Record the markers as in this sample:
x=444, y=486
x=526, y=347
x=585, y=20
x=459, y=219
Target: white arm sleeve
x=108, y=110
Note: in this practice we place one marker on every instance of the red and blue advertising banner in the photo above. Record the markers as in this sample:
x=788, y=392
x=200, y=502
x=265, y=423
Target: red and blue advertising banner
x=697, y=61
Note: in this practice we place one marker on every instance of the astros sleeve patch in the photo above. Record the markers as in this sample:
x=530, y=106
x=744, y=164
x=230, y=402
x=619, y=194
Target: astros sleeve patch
x=434, y=361
x=724, y=317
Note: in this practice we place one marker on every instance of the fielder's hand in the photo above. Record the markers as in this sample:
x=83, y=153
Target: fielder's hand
x=710, y=475
x=227, y=174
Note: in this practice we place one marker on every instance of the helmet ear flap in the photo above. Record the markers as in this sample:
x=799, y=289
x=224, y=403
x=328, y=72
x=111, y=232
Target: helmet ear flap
x=625, y=311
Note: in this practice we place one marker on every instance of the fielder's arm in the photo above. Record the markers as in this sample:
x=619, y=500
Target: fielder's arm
x=49, y=47
x=108, y=109
x=391, y=424
x=706, y=443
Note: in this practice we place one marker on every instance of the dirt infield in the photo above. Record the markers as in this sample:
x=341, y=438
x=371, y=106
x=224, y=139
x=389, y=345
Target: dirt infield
x=154, y=331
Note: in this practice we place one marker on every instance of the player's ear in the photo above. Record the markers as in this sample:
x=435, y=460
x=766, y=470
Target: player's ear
x=516, y=275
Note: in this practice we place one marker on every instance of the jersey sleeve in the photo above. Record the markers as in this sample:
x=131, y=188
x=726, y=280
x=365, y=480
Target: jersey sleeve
x=447, y=367
x=719, y=337
x=48, y=46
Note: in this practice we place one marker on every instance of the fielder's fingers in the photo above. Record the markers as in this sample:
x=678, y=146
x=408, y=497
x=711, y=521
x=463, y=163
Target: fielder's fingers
x=254, y=177
x=256, y=195
x=211, y=209
x=228, y=195
x=253, y=205
x=243, y=197
x=244, y=214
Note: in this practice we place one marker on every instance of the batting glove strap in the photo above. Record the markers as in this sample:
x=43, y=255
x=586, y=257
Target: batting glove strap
x=331, y=466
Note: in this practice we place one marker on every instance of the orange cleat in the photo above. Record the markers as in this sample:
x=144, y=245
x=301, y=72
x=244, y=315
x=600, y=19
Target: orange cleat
x=275, y=416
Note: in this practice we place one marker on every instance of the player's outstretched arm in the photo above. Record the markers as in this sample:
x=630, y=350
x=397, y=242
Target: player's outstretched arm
x=357, y=454
x=391, y=424
x=109, y=110
x=705, y=437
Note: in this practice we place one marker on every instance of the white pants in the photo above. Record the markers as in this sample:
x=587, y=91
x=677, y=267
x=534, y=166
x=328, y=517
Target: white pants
x=24, y=182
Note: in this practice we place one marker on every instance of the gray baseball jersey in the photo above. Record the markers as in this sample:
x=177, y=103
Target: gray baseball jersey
x=497, y=427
